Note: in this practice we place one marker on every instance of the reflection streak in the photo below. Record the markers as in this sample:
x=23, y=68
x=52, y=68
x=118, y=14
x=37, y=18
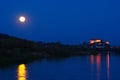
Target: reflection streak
x=22, y=72
x=92, y=65
x=98, y=61
x=92, y=59
x=108, y=65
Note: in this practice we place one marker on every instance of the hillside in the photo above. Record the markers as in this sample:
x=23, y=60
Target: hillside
x=15, y=50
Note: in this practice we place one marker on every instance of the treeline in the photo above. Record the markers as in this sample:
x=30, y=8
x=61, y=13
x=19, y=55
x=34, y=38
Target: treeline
x=12, y=43
x=16, y=50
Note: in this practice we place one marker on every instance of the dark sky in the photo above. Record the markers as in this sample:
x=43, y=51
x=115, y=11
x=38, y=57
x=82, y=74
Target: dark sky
x=67, y=21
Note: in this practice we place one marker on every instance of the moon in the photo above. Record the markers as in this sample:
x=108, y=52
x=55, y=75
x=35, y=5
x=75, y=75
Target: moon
x=22, y=19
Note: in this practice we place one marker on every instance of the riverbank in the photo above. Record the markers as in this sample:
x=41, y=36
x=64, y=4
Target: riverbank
x=13, y=57
x=15, y=50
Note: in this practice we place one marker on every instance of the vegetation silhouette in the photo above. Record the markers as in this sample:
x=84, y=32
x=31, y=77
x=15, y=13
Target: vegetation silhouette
x=14, y=50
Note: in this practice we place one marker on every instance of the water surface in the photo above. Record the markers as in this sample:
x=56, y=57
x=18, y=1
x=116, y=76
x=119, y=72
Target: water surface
x=103, y=66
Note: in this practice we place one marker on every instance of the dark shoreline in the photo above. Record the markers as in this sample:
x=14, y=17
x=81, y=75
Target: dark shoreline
x=15, y=50
x=9, y=57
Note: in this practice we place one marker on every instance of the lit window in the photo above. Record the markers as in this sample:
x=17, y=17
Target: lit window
x=97, y=40
x=92, y=41
x=107, y=42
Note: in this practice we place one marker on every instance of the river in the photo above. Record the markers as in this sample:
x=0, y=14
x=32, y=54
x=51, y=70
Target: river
x=103, y=66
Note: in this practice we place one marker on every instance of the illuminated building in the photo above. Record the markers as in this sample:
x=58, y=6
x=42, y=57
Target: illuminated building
x=98, y=43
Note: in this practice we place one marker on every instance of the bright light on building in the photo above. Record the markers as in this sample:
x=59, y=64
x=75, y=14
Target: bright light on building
x=92, y=41
x=107, y=42
x=98, y=43
x=97, y=40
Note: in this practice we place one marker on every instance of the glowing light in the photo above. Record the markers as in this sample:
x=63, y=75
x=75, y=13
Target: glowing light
x=22, y=75
x=92, y=41
x=22, y=19
x=97, y=40
x=107, y=42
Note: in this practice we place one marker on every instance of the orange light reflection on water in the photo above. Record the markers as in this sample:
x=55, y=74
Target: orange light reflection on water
x=95, y=59
x=98, y=61
x=22, y=73
x=108, y=65
x=92, y=59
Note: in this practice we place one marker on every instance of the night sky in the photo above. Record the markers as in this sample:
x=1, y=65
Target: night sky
x=66, y=21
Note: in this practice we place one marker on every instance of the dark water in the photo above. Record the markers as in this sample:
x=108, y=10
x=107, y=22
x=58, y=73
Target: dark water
x=103, y=66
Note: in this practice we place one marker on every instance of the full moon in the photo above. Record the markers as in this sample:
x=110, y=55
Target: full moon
x=22, y=19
